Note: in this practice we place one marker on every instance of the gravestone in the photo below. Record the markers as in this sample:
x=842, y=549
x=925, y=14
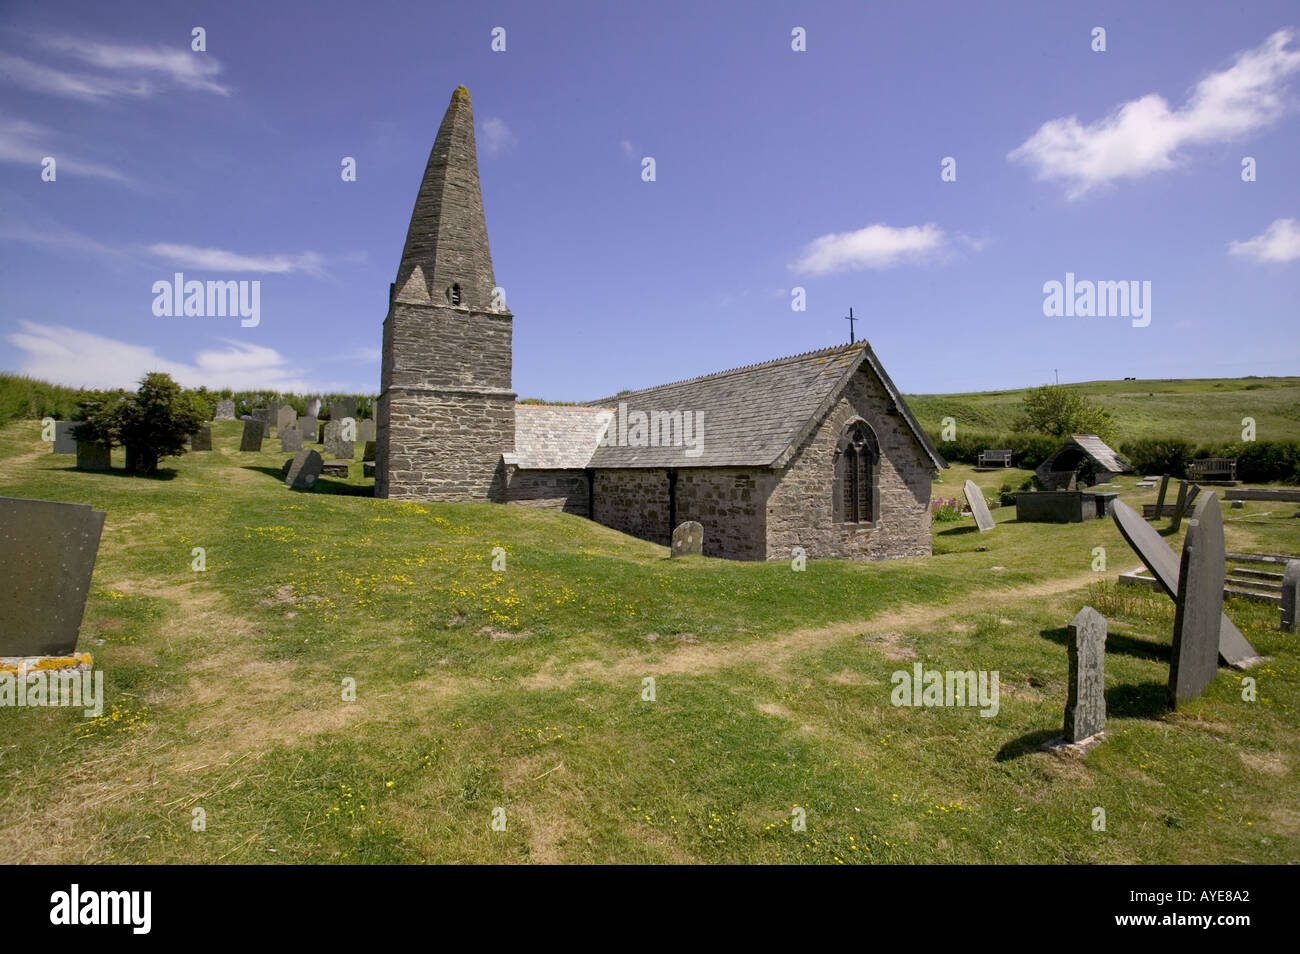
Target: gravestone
x=1194, y=661
x=304, y=470
x=91, y=456
x=47, y=555
x=688, y=539
x=367, y=470
x=1165, y=566
x=263, y=416
x=290, y=440
x=307, y=427
x=1180, y=506
x=335, y=468
x=285, y=418
x=978, y=507
x=335, y=446
x=272, y=415
x=251, y=440
x=284, y=468
x=313, y=407
x=1160, y=500
x=201, y=440
x=1290, y=595
x=368, y=452
x=366, y=430
x=225, y=410
x=343, y=407
x=64, y=442
x=1085, y=707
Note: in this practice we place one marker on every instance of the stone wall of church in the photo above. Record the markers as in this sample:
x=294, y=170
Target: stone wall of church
x=634, y=502
x=800, y=508
x=564, y=490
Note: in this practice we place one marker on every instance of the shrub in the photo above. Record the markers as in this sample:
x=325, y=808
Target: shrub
x=1158, y=456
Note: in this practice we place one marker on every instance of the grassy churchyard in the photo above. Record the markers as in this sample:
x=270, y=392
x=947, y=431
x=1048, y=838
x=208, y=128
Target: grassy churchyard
x=524, y=690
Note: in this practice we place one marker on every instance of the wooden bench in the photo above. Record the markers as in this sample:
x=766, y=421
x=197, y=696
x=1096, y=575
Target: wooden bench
x=995, y=458
x=1213, y=468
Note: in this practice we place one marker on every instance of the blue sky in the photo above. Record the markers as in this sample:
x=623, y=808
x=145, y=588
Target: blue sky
x=775, y=170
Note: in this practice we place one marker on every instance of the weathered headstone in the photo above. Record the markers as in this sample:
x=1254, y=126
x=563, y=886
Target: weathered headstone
x=688, y=539
x=1194, y=662
x=1179, y=507
x=201, y=440
x=64, y=442
x=304, y=470
x=366, y=430
x=368, y=452
x=285, y=417
x=91, y=456
x=307, y=427
x=263, y=416
x=343, y=407
x=335, y=446
x=1085, y=707
x=1290, y=595
x=1160, y=500
x=251, y=440
x=978, y=507
x=335, y=468
x=313, y=407
x=290, y=440
x=47, y=555
x=225, y=410
x=1164, y=564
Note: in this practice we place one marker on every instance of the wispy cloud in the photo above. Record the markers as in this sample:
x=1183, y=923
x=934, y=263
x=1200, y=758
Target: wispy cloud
x=84, y=359
x=223, y=260
x=629, y=150
x=1145, y=135
x=876, y=246
x=497, y=136
x=1280, y=242
x=27, y=144
x=124, y=71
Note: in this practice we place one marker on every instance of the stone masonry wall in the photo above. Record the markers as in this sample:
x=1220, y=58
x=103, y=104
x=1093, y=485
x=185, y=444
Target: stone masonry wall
x=564, y=490
x=634, y=502
x=799, y=510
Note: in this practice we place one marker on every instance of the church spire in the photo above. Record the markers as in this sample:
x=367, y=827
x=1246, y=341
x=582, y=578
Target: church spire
x=446, y=243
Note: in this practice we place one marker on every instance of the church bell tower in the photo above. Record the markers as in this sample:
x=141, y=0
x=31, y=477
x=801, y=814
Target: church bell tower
x=446, y=410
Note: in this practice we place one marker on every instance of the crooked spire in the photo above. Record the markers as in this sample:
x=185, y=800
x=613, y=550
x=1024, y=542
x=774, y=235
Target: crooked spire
x=447, y=239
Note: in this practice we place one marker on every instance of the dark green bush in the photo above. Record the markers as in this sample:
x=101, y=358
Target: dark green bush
x=1158, y=456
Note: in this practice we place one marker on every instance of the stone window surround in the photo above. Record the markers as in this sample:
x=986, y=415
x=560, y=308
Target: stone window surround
x=856, y=427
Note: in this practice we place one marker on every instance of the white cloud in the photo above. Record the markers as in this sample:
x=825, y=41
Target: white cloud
x=84, y=359
x=1145, y=135
x=497, y=136
x=222, y=260
x=126, y=71
x=1280, y=242
x=876, y=246
x=27, y=144
x=629, y=150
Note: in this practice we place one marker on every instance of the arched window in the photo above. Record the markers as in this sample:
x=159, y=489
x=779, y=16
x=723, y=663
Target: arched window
x=454, y=294
x=857, y=460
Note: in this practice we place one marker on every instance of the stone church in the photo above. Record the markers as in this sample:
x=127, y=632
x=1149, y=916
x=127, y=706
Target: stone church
x=817, y=450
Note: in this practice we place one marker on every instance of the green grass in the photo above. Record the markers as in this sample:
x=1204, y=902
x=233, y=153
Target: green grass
x=1201, y=410
x=224, y=691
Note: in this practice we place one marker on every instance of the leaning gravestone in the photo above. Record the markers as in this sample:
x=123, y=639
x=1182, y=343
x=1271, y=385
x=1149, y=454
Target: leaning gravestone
x=64, y=442
x=307, y=427
x=366, y=430
x=201, y=440
x=91, y=456
x=1290, y=595
x=285, y=417
x=290, y=440
x=1085, y=707
x=1194, y=662
x=252, y=437
x=225, y=410
x=978, y=507
x=1160, y=500
x=1180, y=507
x=1164, y=564
x=304, y=470
x=688, y=539
x=47, y=554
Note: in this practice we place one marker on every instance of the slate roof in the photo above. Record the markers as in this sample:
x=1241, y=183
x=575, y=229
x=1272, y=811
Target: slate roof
x=754, y=416
x=556, y=437
x=1096, y=449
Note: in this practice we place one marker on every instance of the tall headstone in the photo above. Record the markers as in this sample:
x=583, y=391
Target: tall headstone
x=201, y=440
x=285, y=417
x=1160, y=500
x=978, y=507
x=1194, y=662
x=1290, y=595
x=263, y=416
x=334, y=443
x=307, y=425
x=313, y=407
x=343, y=407
x=688, y=539
x=225, y=410
x=366, y=430
x=47, y=555
x=1085, y=707
x=304, y=470
x=92, y=456
x=1180, y=506
x=251, y=440
x=64, y=442
x=290, y=440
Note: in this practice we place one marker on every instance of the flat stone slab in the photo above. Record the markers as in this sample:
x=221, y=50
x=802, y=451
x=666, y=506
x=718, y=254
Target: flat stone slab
x=1194, y=661
x=47, y=555
x=251, y=439
x=1164, y=564
x=335, y=469
x=64, y=443
x=688, y=539
x=303, y=470
x=979, y=508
